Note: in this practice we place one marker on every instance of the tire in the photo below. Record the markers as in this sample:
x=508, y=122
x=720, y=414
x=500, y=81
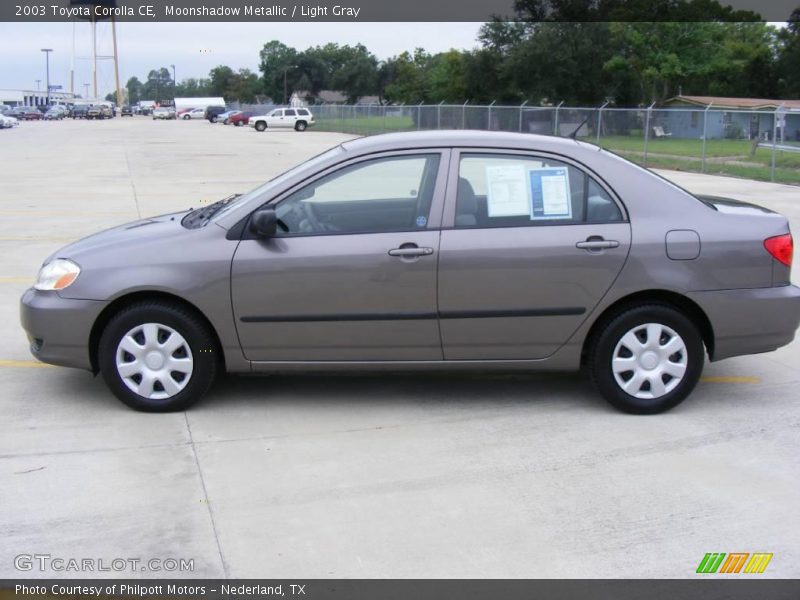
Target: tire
x=186, y=117
x=213, y=119
x=126, y=363
x=300, y=126
x=238, y=123
x=261, y=126
x=658, y=379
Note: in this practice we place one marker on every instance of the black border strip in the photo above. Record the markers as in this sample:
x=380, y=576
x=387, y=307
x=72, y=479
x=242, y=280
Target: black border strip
x=416, y=316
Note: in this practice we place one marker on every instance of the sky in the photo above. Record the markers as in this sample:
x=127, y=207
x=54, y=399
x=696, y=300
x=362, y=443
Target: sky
x=195, y=48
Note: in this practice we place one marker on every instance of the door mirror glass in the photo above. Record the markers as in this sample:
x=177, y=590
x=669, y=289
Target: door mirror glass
x=264, y=222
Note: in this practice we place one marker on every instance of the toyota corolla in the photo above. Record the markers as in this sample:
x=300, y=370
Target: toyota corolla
x=426, y=250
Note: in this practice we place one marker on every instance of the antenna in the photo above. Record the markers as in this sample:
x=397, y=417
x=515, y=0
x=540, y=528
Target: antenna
x=574, y=134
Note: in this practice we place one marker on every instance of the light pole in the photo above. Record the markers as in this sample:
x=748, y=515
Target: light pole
x=86, y=90
x=47, y=52
x=38, y=81
x=285, y=88
x=174, y=84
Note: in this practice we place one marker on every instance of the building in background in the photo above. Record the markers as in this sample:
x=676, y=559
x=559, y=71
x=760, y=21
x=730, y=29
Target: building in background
x=13, y=97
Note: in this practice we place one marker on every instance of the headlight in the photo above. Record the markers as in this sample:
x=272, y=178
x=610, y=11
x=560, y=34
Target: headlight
x=57, y=275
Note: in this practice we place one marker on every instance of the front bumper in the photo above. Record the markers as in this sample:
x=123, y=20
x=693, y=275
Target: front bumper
x=751, y=321
x=59, y=328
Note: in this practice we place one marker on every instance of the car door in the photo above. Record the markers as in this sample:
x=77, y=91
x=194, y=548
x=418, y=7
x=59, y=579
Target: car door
x=351, y=273
x=275, y=119
x=530, y=245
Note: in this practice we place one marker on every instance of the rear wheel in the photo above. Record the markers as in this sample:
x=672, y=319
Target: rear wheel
x=300, y=126
x=261, y=126
x=157, y=357
x=647, y=359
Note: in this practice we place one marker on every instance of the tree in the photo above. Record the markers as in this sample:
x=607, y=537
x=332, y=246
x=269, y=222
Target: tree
x=788, y=62
x=135, y=89
x=356, y=74
x=158, y=86
x=276, y=62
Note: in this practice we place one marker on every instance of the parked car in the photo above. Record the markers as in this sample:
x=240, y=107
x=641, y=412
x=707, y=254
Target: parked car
x=126, y=111
x=212, y=112
x=444, y=249
x=30, y=114
x=240, y=118
x=7, y=121
x=298, y=119
x=164, y=113
x=223, y=117
x=55, y=113
x=99, y=111
x=195, y=113
x=79, y=111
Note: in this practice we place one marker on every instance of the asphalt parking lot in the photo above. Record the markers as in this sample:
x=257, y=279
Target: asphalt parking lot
x=298, y=476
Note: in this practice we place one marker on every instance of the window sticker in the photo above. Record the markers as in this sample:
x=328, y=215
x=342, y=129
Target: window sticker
x=422, y=221
x=550, y=195
x=506, y=191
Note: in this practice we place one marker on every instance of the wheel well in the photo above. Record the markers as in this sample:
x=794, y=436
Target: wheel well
x=124, y=301
x=690, y=308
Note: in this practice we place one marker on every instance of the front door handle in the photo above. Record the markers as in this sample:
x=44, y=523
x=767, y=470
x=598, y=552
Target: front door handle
x=410, y=251
x=597, y=243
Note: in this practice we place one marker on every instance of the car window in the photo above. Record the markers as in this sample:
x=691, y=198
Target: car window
x=380, y=195
x=502, y=190
x=276, y=113
x=290, y=113
x=303, y=113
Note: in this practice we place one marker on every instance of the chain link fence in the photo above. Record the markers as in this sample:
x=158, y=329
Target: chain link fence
x=762, y=145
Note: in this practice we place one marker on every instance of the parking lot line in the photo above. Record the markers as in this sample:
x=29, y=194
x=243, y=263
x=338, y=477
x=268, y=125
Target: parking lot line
x=730, y=379
x=24, y=364
x=16, y=279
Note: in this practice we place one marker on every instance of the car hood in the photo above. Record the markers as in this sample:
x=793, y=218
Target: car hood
x=130, y=234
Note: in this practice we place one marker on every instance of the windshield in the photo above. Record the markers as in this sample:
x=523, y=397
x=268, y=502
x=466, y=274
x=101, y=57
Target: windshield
x=275, y=181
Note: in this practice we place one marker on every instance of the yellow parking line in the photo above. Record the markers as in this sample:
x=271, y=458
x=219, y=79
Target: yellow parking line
x=26, y=238
x=730, y=379
x=25, y=364
x=16, y=279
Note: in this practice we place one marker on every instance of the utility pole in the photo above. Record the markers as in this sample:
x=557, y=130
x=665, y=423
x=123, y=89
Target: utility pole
x=47, y=52
x=174, y=84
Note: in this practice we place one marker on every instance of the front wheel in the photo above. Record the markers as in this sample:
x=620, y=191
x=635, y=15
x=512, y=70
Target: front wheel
x=647, y=359
x=157, y=357
x=261, y=126
x=186, y=117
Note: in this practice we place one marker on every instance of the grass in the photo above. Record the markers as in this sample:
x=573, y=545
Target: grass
x=362, y=125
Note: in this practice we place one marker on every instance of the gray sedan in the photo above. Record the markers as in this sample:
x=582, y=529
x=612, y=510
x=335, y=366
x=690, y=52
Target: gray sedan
x=427, y=250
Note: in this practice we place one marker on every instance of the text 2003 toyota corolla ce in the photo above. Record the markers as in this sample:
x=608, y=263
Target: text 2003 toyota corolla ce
x=444, y=250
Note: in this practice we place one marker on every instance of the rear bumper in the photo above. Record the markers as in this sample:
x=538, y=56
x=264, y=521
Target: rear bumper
x=59, y=328
x=750, y=321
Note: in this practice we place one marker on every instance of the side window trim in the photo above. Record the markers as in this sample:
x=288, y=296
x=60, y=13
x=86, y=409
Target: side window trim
x=449, y=214
x=437, y=202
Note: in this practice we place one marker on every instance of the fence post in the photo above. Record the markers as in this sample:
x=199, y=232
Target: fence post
x=775, y=140
x=555, y=122
x=489, y=117
x=419, y=116
x=647, y=132
x=369, y=114
x=600, y=120
x=439, y=115
x=705, y=135
x=464, y=115
x=521, y=106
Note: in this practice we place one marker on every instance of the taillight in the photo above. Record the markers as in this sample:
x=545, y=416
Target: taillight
x=780, y=247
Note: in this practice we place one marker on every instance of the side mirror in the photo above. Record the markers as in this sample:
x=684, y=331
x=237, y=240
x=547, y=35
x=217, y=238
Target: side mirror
x=264, y=222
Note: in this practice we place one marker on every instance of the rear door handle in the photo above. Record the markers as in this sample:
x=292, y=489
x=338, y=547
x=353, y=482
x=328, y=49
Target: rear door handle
x=410, y=252
x=597, y=244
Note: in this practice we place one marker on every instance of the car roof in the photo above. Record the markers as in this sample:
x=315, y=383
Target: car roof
x=467, y=138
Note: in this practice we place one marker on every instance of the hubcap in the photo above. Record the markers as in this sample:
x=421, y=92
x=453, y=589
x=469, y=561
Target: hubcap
x=649, y=361
x=154, y=361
